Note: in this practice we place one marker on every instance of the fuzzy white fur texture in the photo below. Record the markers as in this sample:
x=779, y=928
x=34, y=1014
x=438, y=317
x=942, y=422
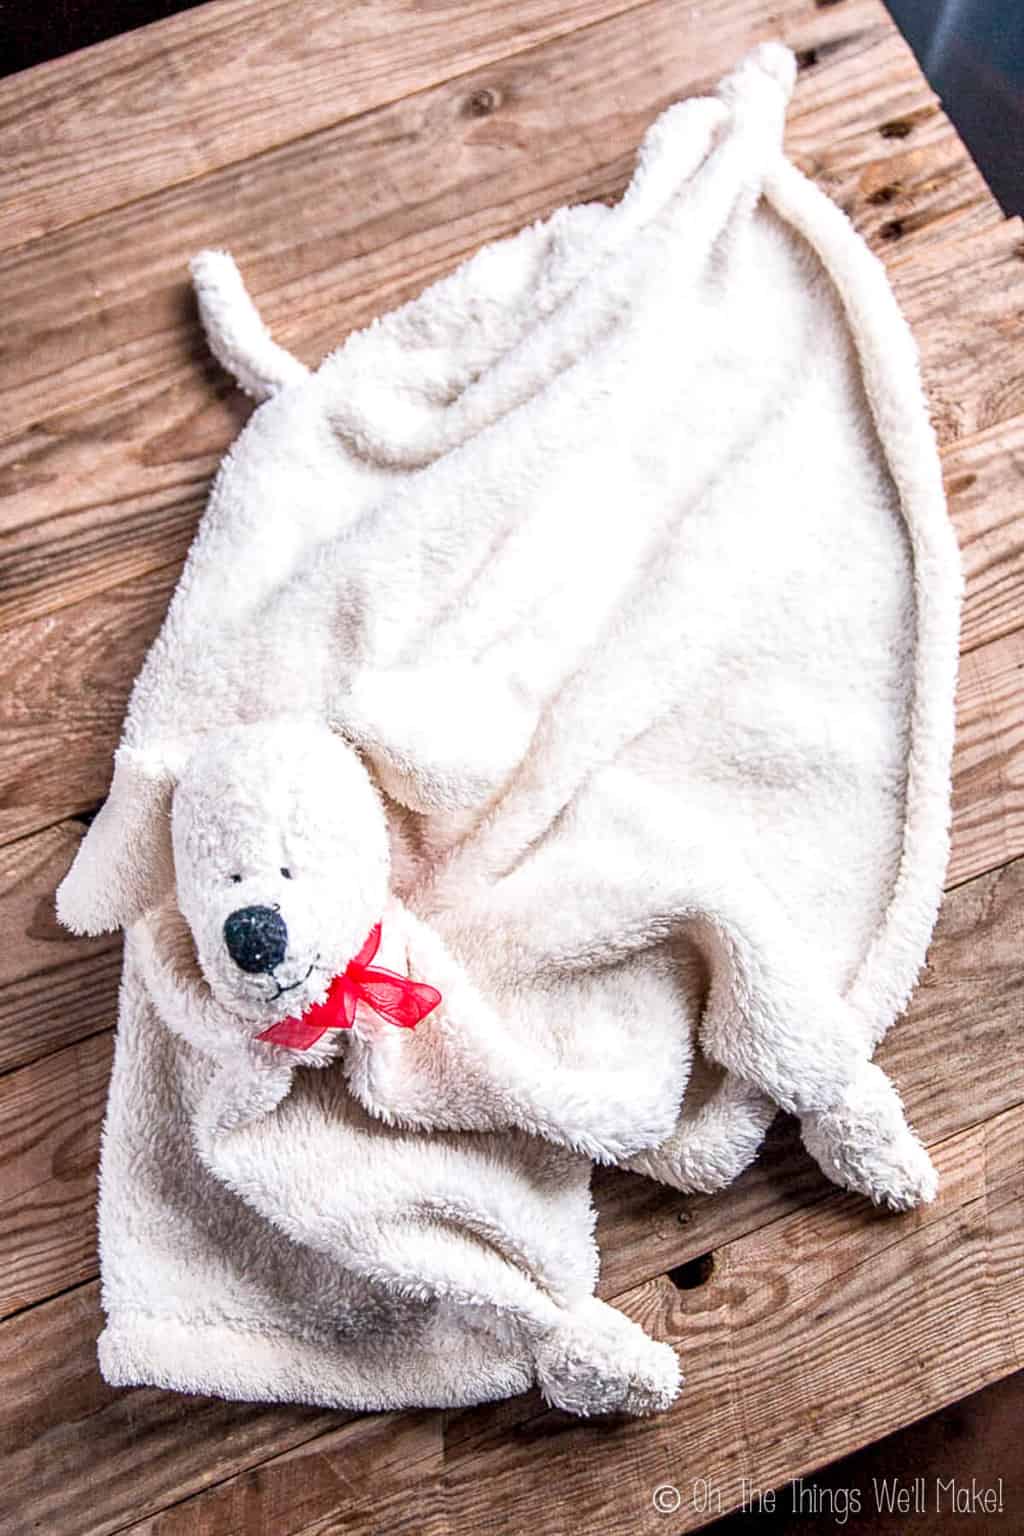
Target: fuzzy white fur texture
x=592, y=620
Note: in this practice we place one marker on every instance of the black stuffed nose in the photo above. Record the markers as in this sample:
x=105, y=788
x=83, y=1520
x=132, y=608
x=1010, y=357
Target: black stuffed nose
x=257, y=939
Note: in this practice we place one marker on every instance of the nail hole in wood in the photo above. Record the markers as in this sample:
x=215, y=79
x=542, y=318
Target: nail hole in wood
x=883, y=195
x=694, y=1273
x=897, y=129
x=892, y=230
x=806, y=58
x=482, y=103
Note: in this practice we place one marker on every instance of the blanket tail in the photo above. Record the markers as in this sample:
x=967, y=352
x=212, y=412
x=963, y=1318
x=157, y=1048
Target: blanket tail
x=237, y=336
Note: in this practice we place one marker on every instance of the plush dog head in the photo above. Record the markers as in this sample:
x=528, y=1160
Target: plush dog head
x=274, y=841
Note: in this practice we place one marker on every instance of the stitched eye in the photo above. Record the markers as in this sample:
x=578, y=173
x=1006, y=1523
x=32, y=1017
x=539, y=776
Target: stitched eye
x=237, y=879
x=287, y=873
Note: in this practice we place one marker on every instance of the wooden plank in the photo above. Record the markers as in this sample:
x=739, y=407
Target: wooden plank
x=54, y=988
x=985, y=485
x=124, y=458
x=83, y=1459
x=176, y=100
x=969, y=998
x=112, y=415
x=988, y=776
x=64, y=683
x=964, y=299
x=65, y=680
x=776, y=1343
x=121, y=430
x=777, y=1346
x=76, y=666
x=895, y=165
x=386, y=1459
x=50, y=1118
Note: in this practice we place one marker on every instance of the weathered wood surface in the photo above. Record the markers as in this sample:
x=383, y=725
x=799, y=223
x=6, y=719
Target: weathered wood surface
x=816, y=1334
x=968, y=1002
x=984, y=478
x=110, y=420
x=988, y=777
x=167, y=104
x=391, y=139
x=969, y=999
x=54, y=988
x=777, y=1343
x=80, y=1457
x=113, y=417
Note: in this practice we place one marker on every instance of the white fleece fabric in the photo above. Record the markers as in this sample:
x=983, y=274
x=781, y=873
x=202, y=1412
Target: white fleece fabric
x=590, y=622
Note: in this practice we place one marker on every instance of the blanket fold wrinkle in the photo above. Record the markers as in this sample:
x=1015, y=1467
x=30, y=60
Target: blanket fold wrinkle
x=590, y=624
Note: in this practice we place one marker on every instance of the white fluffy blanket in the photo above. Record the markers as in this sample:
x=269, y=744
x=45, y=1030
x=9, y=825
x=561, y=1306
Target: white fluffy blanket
x=617, y=566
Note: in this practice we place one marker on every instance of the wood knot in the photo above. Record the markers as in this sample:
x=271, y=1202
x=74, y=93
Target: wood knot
x=884, y=194
x=694, y=1273
x=483, y=102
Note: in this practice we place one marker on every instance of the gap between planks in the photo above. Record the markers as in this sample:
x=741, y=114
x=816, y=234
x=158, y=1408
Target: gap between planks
x=174, y=116
x=58, y=766
x=124, y=286
x=813, y=1255
x=306, y=1527
x=970, y=995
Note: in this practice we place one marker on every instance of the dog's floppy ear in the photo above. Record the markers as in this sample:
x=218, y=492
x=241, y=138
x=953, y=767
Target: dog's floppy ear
x=125, y=863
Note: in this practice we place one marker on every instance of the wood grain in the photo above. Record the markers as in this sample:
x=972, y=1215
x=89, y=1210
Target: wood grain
x=112, y=422
x=64, y=685
x=50, y=1118
x=65, y=680
x=988, y=774
x=785, y=1330
x=83, y=1459
x=895, y=168
x=971, y=998
x=392, y=1462
x=54, y=988
x=178, y=99
x=985, y=486
x=778, y=1346
x=390, y=139
x=973, y=370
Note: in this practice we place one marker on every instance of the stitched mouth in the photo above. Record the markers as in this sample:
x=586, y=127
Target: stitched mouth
x=291, y=985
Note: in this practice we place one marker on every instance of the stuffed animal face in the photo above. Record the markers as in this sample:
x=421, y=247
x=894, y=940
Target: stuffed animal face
x=272, y=843
x=280, y=863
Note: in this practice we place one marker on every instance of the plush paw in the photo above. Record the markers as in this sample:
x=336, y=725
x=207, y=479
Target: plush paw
x=863, y=1142
x=600, y=1361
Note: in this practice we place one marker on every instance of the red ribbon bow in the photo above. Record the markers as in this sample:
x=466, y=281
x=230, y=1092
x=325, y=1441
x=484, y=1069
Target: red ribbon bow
x=395, y=998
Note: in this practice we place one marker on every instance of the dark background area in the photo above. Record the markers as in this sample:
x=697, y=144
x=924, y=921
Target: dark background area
x=32, y=31
x=971, y=50
x=973, y=54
